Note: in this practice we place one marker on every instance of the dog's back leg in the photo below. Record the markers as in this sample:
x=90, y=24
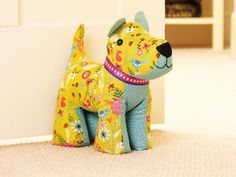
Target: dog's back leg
x=92, y=122
x=70, y=127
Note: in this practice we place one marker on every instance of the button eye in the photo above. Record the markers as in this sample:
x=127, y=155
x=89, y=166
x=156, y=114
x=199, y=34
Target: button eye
x=119, y=42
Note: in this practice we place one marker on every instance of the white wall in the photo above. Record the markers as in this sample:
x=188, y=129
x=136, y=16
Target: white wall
x=34, y=54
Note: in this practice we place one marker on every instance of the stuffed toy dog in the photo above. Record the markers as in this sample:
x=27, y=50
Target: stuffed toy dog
x=109, y=104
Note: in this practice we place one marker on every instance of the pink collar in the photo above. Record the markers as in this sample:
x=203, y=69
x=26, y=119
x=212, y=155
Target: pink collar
x=123, y=76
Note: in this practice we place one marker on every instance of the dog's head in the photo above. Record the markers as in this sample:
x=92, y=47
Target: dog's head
x=134, y=51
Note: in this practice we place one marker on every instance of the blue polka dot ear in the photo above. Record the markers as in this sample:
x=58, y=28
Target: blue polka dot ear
x=140, y=18
x=116, y=26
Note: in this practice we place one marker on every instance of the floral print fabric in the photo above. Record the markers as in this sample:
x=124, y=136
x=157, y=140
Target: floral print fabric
x=90, y=87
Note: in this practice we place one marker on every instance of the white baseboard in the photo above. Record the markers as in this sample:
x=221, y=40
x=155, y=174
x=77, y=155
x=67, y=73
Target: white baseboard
x=36, y=139
x=26, y=140
x=155, y=126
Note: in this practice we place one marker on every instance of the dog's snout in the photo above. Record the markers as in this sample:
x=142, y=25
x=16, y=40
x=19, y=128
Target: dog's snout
x=165, y=49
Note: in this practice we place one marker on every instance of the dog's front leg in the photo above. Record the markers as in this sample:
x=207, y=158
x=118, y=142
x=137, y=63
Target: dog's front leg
x=111, y=135
x=138, y=125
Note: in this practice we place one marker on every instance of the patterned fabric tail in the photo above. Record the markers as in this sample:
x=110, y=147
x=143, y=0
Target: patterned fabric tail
x=78, y=51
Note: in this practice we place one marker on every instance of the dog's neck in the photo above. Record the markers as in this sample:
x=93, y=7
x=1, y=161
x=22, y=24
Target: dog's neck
x=113, y=70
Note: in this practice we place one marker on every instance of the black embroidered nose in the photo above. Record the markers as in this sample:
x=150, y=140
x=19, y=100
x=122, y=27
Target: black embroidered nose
x=165, y=49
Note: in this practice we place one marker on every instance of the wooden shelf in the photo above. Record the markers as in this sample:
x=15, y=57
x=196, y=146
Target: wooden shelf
x=189, y=21
x=217, y=22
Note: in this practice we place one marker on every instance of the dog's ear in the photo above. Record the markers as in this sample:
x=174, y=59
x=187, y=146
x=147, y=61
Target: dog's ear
x=140, y=18
x=116, y=26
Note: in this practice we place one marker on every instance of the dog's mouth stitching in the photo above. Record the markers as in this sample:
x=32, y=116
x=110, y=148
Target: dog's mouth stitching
x=166, y=65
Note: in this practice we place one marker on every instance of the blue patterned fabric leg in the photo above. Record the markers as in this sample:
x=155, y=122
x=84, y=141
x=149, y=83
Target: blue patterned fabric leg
x=136, y=125
x=92, y=122
x=83, y=125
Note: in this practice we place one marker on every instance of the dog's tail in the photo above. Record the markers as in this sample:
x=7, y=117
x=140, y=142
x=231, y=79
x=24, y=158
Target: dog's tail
x=78, y=51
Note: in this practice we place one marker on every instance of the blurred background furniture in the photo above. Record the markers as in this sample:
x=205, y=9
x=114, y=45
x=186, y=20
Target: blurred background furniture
x=183, y=8
x=195, y=13
x=233, y=31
